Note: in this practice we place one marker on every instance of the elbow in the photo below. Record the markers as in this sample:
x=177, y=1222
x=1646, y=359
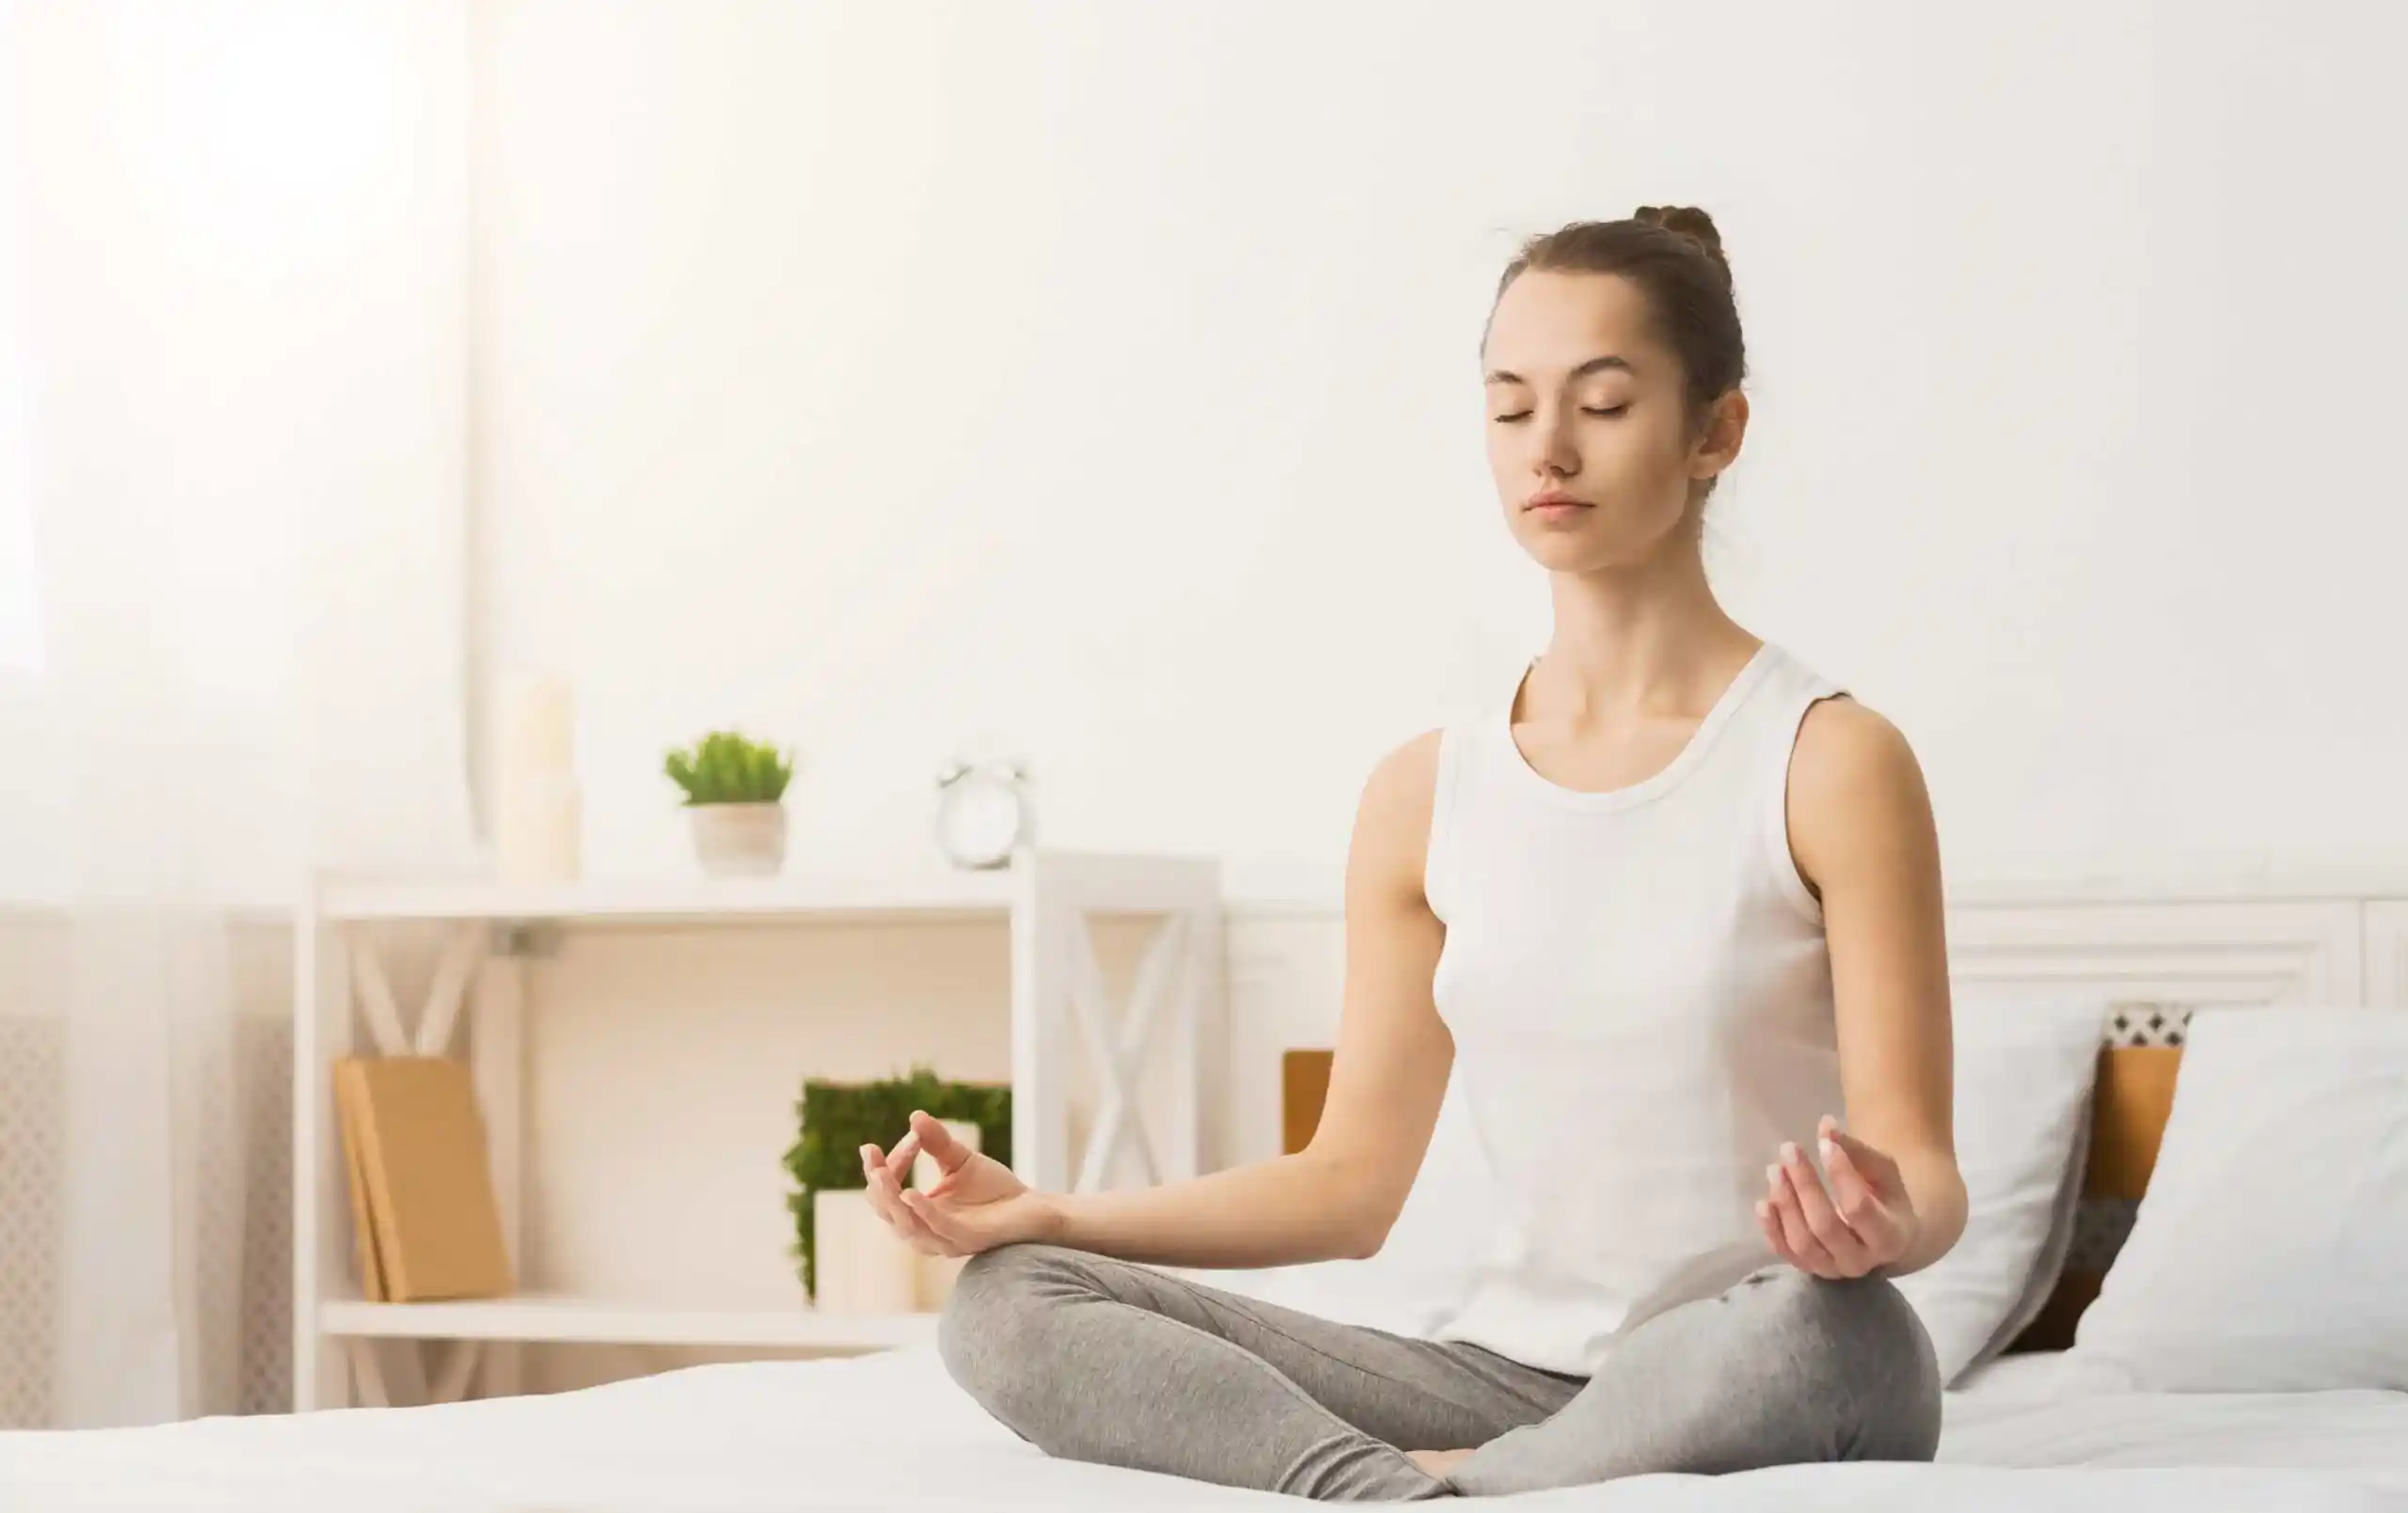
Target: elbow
x=1358, y=1219
x=1367, y=1235
x=1952, y=1228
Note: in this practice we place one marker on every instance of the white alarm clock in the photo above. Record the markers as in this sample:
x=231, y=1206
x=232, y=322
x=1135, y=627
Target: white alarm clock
x=983, y=813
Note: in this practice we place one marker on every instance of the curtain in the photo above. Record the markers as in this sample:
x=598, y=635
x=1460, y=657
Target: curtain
x=233, y=464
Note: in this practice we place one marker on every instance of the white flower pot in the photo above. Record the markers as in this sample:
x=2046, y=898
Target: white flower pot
x=863, y=1266
x=740, y=840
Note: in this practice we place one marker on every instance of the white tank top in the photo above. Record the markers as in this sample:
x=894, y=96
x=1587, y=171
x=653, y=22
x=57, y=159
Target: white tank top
x=1640, y=1001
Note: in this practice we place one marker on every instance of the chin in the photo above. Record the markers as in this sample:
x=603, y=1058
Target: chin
x=1579, y=551
x=1602, y=542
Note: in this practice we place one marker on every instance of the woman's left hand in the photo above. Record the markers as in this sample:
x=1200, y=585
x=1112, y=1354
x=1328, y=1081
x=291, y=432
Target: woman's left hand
x=1864, y=1220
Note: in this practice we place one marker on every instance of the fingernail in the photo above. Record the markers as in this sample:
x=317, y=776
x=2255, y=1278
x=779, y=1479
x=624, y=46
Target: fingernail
x=1789, y=1151
x=1772, y=1175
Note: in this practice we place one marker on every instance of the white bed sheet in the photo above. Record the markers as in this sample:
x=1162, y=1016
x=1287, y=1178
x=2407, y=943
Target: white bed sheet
x=2060, y=1410
x=892, y=1431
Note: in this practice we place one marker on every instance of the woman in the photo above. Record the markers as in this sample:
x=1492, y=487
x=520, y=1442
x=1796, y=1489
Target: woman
x=1666, y=913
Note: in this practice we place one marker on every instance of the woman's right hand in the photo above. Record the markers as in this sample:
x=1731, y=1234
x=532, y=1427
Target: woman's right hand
x=977, y=1203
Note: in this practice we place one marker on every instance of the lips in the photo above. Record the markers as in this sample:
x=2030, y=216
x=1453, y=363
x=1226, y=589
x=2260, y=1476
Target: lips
x=1554, y=501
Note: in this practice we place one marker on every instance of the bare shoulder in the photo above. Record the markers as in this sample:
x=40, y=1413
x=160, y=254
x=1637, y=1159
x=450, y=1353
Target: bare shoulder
x=1856, y=790
x=1392, y=825
x=1408, y=774
x=1845, y=747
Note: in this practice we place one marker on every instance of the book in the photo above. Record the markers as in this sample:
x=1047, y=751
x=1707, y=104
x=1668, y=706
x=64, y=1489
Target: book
x=425, y=1183
x=363, y=1232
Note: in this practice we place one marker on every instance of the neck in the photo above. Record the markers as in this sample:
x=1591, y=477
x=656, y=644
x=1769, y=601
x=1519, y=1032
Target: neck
x=1649, y=638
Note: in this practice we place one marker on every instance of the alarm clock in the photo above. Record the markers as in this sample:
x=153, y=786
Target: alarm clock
x=983, y=813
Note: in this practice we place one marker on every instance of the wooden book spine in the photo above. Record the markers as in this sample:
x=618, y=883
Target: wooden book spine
x=351, y=1117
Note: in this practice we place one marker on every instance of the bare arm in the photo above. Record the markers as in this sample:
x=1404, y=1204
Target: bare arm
x=1860, y=827
x=1336, y=1198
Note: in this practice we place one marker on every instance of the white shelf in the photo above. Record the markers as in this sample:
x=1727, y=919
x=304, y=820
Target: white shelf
x=344, y=1003
x=593, y=1321
x=933, y=895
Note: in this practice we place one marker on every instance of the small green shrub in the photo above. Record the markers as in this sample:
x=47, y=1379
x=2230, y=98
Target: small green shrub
x=725, y=768
x=837, y=1119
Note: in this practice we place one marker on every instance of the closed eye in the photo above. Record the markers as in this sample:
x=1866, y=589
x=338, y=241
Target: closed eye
x=1524, y=415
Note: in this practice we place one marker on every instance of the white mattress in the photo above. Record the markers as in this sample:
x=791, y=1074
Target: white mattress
x=892, y=1431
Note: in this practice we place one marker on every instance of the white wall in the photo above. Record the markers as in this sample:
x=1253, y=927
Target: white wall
x=1101, y=378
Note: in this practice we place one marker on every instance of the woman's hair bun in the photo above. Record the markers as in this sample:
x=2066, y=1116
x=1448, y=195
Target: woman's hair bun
x=1688, y=221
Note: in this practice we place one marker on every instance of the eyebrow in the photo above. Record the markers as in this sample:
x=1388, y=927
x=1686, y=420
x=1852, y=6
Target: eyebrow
x=1594, y=365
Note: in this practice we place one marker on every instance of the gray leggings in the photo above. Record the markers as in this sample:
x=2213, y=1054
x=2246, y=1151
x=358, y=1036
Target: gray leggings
x=1099, y=1359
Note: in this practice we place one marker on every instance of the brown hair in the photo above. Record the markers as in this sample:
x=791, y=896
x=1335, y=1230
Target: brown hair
x=1674, y=255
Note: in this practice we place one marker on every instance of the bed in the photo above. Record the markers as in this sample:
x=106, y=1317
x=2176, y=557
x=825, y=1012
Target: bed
x=890, y=1431
x=2029, y=1429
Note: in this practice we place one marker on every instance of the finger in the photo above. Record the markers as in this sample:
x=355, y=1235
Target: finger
x=938, y=1144
x=1858, y=1203
x=1795, y=1229
x=907, y=1223
x=950, y=1154
x=937, y=1139
x=873, y=1187
x=1877, y=1167
x=899, y=1162
x=1841, y=1243
x=1773, y=1236
x=880, y=1190
x=1850, y=1191
x=874, y=1162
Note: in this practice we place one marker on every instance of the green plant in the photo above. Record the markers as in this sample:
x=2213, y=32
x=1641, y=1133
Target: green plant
x=837, y=1119
x=725, y=768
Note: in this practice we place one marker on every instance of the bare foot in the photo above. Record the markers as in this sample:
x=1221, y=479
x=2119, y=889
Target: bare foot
x=1436, y=1462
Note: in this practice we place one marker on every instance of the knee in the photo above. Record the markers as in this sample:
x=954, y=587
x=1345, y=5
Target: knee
x=1860, y=1313
x=997, y=1302
x=1869, y=1354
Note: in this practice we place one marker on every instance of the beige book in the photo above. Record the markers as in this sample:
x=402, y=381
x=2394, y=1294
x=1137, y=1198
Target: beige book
x=431, y=1204
x=363, y=1231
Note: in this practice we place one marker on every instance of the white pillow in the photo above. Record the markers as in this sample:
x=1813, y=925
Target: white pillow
x=2271, y=1254
x=2025, y=1070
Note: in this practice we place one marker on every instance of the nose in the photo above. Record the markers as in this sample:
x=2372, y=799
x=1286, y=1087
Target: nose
x=1557, y=457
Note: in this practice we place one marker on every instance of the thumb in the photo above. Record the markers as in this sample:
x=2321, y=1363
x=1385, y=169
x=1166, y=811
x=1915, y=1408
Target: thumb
x=935, y=1139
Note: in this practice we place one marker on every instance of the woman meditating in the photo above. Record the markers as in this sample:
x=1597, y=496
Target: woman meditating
x=1670, y=910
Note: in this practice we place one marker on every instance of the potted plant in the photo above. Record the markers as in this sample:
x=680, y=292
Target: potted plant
x=735, y=788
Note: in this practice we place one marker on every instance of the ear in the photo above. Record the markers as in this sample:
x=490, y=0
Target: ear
x=1720, y=438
